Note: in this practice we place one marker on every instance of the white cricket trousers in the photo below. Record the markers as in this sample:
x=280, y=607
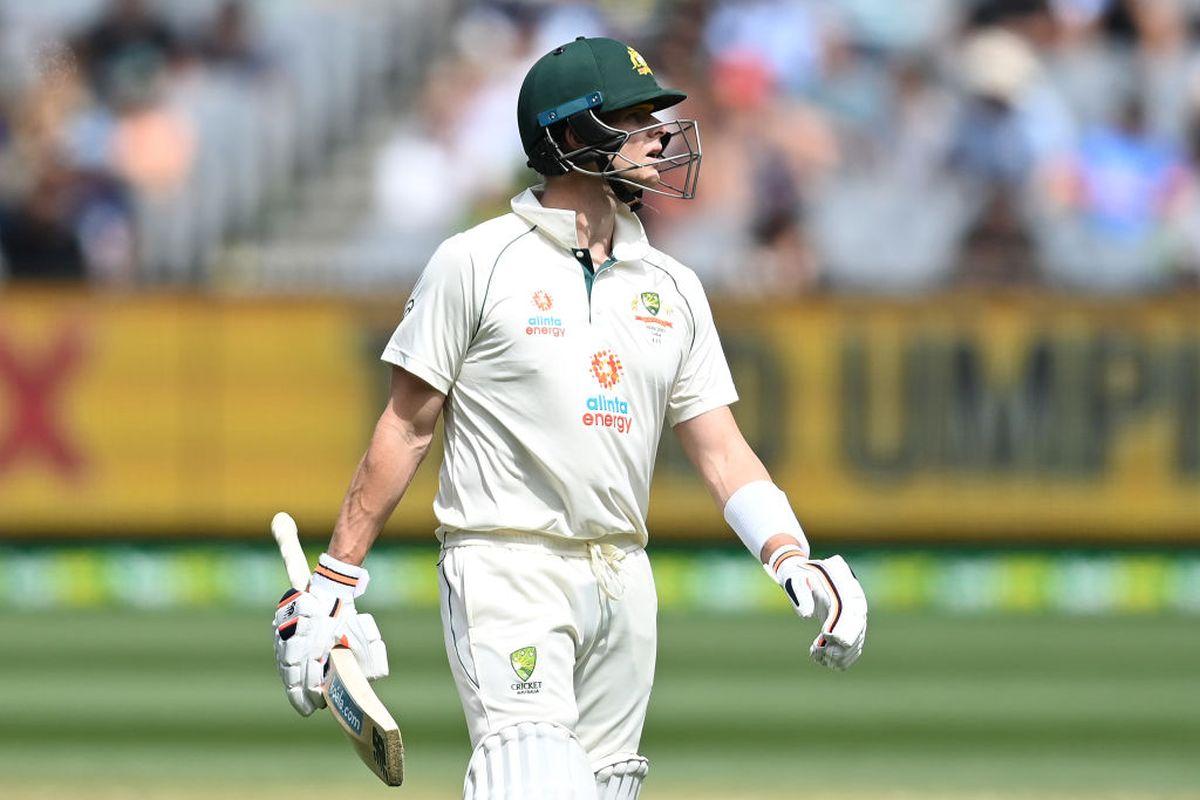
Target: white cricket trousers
x=541, y=629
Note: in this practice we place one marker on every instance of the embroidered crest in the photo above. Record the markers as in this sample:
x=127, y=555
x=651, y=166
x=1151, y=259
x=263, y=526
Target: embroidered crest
x=639, y=63
x=650, y=302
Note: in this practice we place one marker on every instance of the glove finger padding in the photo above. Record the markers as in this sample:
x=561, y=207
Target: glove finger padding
x=303, y=631
x=843, y=604
x=363, y=637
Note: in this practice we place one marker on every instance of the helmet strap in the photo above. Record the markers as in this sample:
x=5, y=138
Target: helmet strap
x=627, y=194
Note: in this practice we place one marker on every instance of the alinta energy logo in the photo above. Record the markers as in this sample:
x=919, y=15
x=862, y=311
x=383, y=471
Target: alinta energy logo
x=607, y=368
x=604, y=410
x=544, y=324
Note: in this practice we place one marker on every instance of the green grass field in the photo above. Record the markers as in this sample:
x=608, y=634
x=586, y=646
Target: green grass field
x=120, y=704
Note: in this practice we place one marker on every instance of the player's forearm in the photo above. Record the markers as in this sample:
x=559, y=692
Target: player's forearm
x=732, y=471
x=720, y=453
x=759, y=512
x=382, y=477
x=728, y=467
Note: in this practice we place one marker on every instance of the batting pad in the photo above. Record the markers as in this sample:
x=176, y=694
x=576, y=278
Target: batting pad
x=621, y=780
x=529, y=761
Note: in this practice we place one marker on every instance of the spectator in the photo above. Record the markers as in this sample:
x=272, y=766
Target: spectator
x=1012, y=120
x=6, y=132
x=1090, y=70
x=998, y=249
x=37, y=236
x=785, y=34
x=1115, y=199
x=1125, y=177
x=128, y=38
x=1164, y=62
x=153, y=148
x=230, y=42
x=1189, y=263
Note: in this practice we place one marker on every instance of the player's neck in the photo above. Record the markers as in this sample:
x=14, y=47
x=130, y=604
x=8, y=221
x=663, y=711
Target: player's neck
x=595, y=209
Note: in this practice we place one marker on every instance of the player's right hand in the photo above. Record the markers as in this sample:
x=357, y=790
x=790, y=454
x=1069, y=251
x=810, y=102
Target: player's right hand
x=828, y=590
x=309, y=624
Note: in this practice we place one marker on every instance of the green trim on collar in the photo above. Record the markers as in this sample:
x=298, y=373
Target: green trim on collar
x=584, y=257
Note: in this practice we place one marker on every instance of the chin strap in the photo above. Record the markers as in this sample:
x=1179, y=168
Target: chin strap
x=626, y=194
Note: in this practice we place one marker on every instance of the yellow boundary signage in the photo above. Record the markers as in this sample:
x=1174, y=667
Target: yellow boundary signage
x=956, y=417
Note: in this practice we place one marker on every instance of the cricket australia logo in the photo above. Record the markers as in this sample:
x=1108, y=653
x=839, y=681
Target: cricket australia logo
x=544, y=324
x=524, y=662
x=649, y=310
x=650, y=301
x=639, y=64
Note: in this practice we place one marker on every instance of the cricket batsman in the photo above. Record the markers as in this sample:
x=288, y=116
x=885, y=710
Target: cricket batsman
x=556, y=341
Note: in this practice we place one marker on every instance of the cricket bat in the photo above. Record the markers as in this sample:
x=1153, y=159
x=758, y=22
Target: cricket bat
x=371, y=729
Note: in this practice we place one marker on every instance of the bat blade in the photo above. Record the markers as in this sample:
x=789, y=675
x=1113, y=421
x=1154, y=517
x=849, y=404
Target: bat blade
x=373, y=732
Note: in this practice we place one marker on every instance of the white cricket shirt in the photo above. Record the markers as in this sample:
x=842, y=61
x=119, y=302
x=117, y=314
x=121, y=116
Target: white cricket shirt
x=557, y=385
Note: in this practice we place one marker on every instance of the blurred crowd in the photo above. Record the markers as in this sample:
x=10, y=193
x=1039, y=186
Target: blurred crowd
x=85, y=129
x=862, y=145
x=137, y=137
x=849, y=145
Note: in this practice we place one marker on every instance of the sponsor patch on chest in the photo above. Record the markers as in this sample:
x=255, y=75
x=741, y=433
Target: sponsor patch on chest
x=544, y=323
x=607, y=409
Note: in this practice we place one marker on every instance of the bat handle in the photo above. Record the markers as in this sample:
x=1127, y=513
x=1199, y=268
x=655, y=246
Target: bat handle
x=287, y=537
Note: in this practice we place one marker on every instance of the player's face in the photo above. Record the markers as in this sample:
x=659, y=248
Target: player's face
x=644, y=146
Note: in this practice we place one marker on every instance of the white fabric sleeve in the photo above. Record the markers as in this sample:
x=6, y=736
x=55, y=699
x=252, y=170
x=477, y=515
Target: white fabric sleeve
x=704, y=381
x=439, y=319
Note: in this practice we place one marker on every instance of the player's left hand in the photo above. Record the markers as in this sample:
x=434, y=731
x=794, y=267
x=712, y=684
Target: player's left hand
x=828, y=590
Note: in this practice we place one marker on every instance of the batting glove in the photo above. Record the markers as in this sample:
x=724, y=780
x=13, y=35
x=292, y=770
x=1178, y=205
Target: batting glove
x=828, y=590
x=309, y=624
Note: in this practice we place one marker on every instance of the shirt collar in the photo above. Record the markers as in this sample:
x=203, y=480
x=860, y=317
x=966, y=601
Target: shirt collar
x=558, y=224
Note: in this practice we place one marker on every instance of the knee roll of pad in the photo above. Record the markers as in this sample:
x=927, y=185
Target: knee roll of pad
x=529, y=761
x=621, y=780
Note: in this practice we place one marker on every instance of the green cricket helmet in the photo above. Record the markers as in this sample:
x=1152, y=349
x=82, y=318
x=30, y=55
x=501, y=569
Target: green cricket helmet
x=575, y=83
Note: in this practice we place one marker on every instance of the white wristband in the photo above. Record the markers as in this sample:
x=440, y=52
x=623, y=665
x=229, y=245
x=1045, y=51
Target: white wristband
x=758, y=511
x=338, y=578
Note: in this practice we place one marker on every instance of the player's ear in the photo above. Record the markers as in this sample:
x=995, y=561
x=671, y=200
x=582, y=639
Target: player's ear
x=569, y=138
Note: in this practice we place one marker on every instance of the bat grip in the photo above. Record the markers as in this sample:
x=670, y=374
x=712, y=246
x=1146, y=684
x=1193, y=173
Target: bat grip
x=287, y=537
